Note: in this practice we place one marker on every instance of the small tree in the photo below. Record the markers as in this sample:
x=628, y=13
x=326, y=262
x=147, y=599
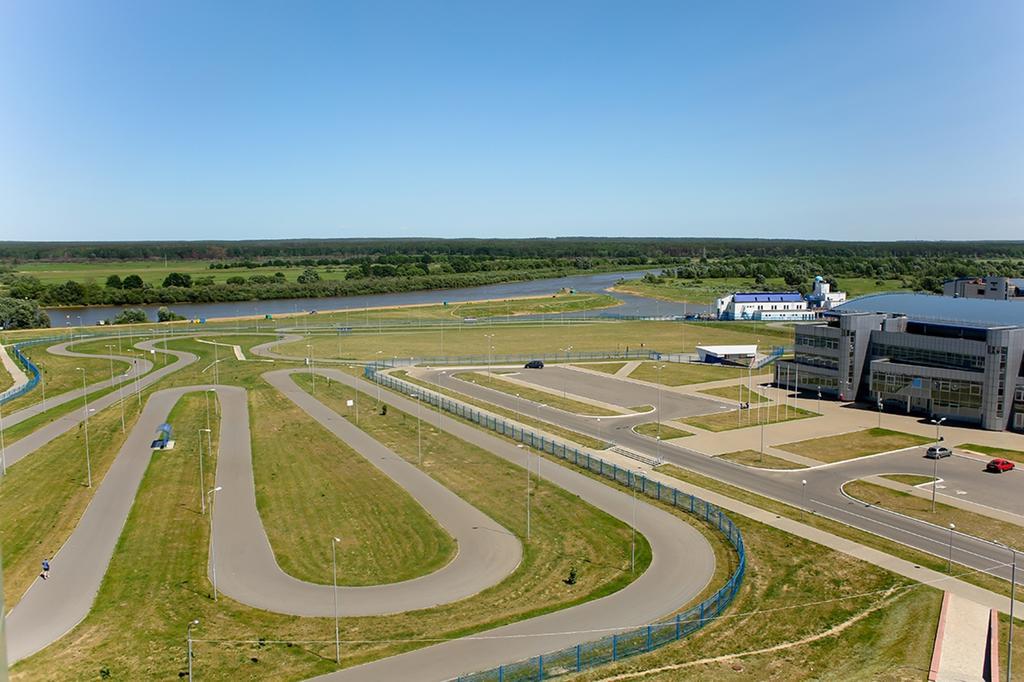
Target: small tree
x=114, y=282
x=308, y=276
x=178, y=279
x=132, y=282
x=165, y=314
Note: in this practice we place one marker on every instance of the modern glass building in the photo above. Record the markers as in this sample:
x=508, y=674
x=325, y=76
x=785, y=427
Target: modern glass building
x=935, y=356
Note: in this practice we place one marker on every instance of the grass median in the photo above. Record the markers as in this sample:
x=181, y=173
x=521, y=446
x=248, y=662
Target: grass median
x=754, y=458
x=1012, y=455
x=536, y=395
x=755, y=416
x=653, y=430
x=740, y=393
x=606, y=367
x=683, y=373
x=971, y=523
x=844, y=446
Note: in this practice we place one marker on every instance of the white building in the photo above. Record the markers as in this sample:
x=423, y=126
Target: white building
x=779, y=306
x=823, y=297
x=734, y=355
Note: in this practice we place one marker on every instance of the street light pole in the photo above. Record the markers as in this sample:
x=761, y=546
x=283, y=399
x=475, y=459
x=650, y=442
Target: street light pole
x=189, y=638
x=1009, y=637
x=202, y=478
x=337, y=629
x=3, y=447
x=120, y=398
x=213, y=557
x=803, y=497
x=85, y=409
x=935, y=461
x=949, y=561
x=419, y=426
x=879, y=413
x=762, y=441
x=632, y=549
x=309, y=360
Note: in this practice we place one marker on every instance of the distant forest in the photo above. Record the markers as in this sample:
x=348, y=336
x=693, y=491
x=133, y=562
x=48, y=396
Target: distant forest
x=345, y=267
x=560, y=247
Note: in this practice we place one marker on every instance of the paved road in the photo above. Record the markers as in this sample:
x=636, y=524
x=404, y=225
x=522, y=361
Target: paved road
x=681, y=567
x=44, y=434
x=821, y=494
x=137, y=368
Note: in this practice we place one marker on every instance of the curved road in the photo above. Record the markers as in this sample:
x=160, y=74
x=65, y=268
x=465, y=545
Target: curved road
x=822, y=493
x=682, y=565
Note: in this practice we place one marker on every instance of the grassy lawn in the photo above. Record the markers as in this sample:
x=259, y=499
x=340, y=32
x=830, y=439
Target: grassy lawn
x=681, y=373
x=536, y=337
x=44, y=495
x=521, y=417
x=740, y=393
x=335, y=492
x=968, y=522
x=535, y=305
x=845, y=446
x=908, y=479
x=535, y=394
x=606, y=367
x=738, y=419
x=667, y=432
x=924, y=559
x=1012, y=455
x=754, y=458
x=888, y=635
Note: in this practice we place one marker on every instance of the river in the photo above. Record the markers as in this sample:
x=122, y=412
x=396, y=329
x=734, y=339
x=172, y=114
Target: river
x=631, y=305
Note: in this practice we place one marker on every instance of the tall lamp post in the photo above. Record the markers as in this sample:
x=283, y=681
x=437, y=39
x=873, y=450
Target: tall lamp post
x=566, y=350
x=3, y=447
x=213, y=557
x=879, y=413
x=188, y=636
x=935, y=460
x=949, y=560
x=632, y=549
x=85, y=409
x=490, y=350
x=202, y=478
x=120, y=397
x=803, y=497
x=1013, y=598
x=337, y=629
x=309, y=361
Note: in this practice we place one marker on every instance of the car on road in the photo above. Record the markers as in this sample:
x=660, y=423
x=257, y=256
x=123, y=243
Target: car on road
x=999, y=465
x=534, y=364
x=938, y=452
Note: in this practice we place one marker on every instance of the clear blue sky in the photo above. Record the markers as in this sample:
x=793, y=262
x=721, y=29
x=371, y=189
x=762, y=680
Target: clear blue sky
x=858, y=119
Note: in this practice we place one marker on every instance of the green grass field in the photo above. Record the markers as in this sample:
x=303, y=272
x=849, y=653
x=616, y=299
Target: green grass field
x=740, y=393
x=908, y=479
x=845, y=446
x=154, y=271
x=741, y=419
x=533, y=337
x=606, y=367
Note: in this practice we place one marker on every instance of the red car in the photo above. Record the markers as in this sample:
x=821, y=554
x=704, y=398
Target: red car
x=999, y=465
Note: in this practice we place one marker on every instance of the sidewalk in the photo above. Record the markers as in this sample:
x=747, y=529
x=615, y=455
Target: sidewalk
x=964, y=638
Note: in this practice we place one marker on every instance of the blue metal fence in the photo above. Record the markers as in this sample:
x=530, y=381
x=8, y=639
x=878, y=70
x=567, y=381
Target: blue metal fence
x=620, y=645
x=30, y=367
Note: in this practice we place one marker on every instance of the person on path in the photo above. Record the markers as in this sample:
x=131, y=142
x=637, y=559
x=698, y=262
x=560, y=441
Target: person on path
x=46, y=569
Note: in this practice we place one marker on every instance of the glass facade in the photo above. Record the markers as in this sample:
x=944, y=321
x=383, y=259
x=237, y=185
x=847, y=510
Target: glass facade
x=928, y=357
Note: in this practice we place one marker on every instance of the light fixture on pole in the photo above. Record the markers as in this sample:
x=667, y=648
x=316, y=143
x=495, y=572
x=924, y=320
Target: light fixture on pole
x=337, y=629
x=3, y=447
x=1013, y=598
x=188, y=636
x=213, y=557
x=202, y=478
x=935, y=460
x=803, y=496
x=632, y=549
x=85, y=410
x=120, y=396
x=949, y=561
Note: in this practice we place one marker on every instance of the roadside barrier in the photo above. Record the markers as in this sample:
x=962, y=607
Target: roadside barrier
x=30, y=367
x=619, y=645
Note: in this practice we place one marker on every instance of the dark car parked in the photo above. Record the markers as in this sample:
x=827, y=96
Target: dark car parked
x=534, y=364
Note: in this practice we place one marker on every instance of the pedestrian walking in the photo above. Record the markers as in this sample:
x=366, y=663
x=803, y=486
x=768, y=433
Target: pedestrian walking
x=46, y=569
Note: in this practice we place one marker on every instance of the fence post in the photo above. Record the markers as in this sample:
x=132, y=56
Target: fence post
x=679, y=627
x=650, y=639
x=615, y=647
x=540, y=667
x=501, y=673
x=579, y=657
x=675, y=497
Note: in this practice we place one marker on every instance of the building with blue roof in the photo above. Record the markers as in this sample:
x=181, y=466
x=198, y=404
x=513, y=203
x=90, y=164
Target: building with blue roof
x=937, y=356
x=764, y=305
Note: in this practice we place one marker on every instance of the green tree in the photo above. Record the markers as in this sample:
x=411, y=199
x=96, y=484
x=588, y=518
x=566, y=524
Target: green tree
x=114, y=282
x=308, y=276
x=132, y=282
x=178, y=279
x=20, y=314
x=131, y=316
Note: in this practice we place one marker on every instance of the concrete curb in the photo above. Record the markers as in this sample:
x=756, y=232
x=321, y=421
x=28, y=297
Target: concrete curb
x=933, y=669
